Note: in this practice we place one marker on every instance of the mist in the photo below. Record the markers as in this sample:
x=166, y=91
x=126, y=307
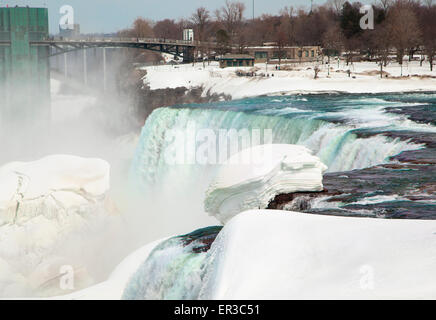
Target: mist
x=87, y=122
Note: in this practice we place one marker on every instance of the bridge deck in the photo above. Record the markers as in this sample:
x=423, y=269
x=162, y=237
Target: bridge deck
x=179, y=48
x=119, y=41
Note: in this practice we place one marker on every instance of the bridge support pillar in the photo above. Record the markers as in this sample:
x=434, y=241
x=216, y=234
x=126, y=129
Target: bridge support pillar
x=65, y=65
x=188, y=54
x=85, y=68
x=104, y=69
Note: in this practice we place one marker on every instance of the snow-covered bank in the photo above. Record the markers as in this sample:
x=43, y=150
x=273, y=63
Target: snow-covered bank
x=270, y=254
x=251, y=178
x=113, y=288
x=42, y=204
x=285, y=255
x=364, y=79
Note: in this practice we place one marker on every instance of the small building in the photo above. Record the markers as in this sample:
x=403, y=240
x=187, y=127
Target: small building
x=188, y=35
x=236, y=60
x=286, y=54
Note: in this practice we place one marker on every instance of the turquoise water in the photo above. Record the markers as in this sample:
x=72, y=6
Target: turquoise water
x=380, y=149
x=174, y=269
x=353, y=134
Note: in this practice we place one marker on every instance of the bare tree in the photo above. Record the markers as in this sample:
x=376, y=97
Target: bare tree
x=223, y=42
x=281, y=44
x=403, y=27
x=332, y=42
x=382, y=42
x=200, y=18
x=142, y=28
x=167, y=29
x=428, y=27
x=231, y=16
x=288, y=21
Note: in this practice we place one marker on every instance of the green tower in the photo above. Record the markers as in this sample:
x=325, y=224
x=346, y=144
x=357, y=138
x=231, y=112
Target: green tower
x=24, y=68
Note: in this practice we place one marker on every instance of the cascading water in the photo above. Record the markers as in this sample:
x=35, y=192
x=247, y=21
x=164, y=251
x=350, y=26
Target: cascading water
x=380, y=150
x=327, y=126
x=177, y=266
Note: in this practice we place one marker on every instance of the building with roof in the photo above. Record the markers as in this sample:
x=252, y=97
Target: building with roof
x=236, y=60
x=286, y=54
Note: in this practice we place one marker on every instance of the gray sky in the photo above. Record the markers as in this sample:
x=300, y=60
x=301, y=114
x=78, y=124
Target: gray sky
x=112, y=15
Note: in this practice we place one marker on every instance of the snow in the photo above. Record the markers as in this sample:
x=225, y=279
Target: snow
x=272, y=254
x=42, y=203
x=265, y=254
x=62, y=181
x=251, y=178
x=113, y=288
x=298, y=80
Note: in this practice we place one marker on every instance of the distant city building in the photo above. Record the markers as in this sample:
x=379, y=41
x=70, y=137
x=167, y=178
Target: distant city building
x=291, y=54
x=236, y=60
x=72, y=31
x=24, y=69
x=188, y=35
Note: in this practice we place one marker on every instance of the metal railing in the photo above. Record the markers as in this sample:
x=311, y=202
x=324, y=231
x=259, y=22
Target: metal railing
x=128, y=40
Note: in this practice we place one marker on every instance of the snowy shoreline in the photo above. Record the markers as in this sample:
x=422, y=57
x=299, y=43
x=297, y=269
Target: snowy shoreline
x=364, y=78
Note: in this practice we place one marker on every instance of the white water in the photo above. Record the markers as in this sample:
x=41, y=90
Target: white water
x=173, y=188
x=182, y=187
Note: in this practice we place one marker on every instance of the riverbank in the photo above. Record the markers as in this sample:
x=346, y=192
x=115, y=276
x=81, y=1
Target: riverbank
x=298, y=78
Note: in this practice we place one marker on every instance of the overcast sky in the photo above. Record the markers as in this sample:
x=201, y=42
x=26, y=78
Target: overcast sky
x=112, y=15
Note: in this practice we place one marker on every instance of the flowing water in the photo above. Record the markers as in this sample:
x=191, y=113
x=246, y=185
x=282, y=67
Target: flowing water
x=359, y=137
x=380, y=150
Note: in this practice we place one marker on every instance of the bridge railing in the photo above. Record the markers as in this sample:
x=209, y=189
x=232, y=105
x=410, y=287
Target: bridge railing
x=130, y=40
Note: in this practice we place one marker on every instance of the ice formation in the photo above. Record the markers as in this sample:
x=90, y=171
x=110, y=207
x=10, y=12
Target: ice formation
x=270, y=254
x=50, y=185
x=42, y=203
x=251, y=178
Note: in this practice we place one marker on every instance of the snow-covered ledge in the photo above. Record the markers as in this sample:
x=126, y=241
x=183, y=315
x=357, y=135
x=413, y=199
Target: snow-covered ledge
x=42, y=204
x=51, y=186
x=251, y=178
x=272, y=254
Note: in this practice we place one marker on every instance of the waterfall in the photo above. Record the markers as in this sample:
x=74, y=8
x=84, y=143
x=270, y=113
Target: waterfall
x=337, y=145
x=174, y=269
x=344, y=131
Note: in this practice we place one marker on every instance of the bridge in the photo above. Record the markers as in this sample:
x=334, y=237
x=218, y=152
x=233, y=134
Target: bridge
x=25, y=49
x=179, y=48
x=61, y=46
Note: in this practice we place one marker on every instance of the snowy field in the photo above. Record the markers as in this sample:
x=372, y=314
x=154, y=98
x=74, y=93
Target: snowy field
x=364, y=78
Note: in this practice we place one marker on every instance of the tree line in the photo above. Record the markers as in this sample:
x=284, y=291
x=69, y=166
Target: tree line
x=401, y=27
